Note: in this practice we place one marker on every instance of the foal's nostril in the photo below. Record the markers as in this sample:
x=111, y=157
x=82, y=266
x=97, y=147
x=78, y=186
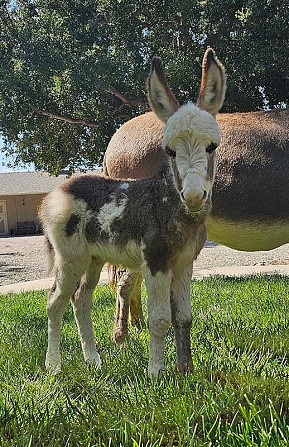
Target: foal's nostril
x=203, y=199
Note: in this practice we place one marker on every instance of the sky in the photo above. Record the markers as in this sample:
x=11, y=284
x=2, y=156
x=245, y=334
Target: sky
x=3, y=159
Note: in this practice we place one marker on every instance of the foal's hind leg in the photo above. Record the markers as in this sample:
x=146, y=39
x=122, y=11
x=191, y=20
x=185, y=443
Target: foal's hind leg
x=82, y=304
x=64, y=286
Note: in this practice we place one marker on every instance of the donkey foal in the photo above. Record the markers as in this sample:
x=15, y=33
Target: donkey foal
x=154, y=226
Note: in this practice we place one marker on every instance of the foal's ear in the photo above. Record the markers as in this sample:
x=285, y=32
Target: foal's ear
x=213, y=84
x=160, y=96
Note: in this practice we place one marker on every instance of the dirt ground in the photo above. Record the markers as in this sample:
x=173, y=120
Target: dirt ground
x=23, y=258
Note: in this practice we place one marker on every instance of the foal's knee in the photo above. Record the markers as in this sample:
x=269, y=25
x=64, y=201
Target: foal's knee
x=182, y=321
x=159, y=326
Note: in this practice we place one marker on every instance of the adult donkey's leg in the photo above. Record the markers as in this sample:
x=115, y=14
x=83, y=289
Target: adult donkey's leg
x=159, y=317
x=82, y=304
x=135, y=305
x=125, y=286
x=182, y=318
x=128, y=300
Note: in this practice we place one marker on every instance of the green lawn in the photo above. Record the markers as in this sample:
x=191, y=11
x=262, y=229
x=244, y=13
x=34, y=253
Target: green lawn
x=238, y=396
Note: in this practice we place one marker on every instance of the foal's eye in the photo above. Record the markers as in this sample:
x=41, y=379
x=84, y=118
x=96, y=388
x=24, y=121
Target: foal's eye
x=170, y=153
x=211, y=148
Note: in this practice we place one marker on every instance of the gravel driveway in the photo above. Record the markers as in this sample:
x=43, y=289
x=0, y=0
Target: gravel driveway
x=23, y=258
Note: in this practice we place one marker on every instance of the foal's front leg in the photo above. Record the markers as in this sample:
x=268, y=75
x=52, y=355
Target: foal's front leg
x=159, y=317
x=182, y=317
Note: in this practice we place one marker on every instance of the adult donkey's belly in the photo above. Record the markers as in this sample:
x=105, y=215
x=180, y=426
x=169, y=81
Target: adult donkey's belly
x=251, y=191
x=248, y=235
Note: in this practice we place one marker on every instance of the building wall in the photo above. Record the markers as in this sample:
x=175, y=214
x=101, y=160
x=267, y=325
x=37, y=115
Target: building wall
x=22, y=208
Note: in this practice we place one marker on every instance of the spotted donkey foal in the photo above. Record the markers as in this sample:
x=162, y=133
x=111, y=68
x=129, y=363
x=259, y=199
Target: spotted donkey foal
x=155, y=225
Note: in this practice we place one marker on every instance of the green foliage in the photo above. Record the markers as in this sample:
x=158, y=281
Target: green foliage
x=62, y=57
x=238, y=395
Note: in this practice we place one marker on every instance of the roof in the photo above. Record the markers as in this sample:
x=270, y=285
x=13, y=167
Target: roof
x=21, y=183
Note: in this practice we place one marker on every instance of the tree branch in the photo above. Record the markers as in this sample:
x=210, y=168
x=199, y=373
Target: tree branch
x=213, y=38
x=65, y=118
x=8, y=21
x=125, y=116
x=125, y=100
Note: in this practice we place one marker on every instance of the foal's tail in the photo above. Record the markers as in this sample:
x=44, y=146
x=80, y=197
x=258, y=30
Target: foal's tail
x=50, y=255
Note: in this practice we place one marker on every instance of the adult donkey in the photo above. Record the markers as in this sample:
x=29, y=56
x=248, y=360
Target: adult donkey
x=250, y=194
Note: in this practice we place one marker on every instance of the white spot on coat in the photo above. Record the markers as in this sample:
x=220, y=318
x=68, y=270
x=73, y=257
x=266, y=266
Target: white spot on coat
x=124, y=186
x=109, y=212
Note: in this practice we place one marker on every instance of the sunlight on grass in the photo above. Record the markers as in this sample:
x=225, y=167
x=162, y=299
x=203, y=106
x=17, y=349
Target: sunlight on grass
x=238, y=395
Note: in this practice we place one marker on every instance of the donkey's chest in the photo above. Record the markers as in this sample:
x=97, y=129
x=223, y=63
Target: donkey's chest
x=175, y=249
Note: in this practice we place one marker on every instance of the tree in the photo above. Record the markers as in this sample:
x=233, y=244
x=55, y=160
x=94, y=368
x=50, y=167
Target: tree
x=72, y=71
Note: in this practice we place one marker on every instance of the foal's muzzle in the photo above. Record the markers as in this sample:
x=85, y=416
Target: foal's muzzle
x=193, y=203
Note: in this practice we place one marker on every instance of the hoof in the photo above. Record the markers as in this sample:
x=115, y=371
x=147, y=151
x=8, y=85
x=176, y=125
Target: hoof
x=94, y=360
x=185, y=368
x=119, y=335
x=155, y=373
x=138, y=323
x=53, y=367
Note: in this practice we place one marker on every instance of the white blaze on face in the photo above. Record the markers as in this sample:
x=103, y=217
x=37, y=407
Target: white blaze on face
x=189, y=132
x=192, y=162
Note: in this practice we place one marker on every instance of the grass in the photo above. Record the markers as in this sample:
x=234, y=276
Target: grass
x=238, y=396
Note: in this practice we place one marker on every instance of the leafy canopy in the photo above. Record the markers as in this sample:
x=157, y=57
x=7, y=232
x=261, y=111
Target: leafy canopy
x=72, y=71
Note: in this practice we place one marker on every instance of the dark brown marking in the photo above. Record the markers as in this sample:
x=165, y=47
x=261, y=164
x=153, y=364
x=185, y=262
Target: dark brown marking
x=211, y=167
x=93, y=232
x=94, y=190
x=53, y=288
x=183, y=344
x=72, y=224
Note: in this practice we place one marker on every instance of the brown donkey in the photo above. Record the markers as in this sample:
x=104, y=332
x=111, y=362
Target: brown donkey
x=250, y=200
